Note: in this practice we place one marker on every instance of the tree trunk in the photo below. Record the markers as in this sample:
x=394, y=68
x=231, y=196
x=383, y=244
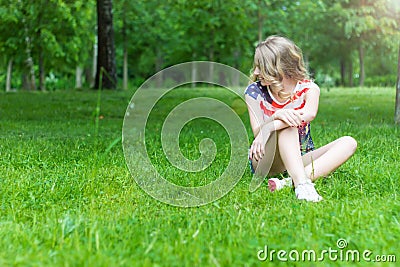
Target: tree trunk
x=211, y=57
x=9, y=75
x=30, y=68
x=87, y=73
x=159, y=65
x=125, y=44
x=42, y=73
x=342, y=72
x=236, y=77
x=361, y=58
x=106, y=66
x=31, y=81
x=397, y=107
x=25, y=81
x=125, y=78
x=194, y=72
x=260, y=22
x=94, y=67
x=78, y=77
x=351, y=84
x=28, y=77
x=307, y=62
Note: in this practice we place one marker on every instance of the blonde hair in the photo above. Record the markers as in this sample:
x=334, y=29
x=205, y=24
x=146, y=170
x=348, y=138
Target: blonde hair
x=277, y=57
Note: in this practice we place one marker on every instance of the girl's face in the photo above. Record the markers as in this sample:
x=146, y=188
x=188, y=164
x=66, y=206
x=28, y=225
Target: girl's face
x=257, y=73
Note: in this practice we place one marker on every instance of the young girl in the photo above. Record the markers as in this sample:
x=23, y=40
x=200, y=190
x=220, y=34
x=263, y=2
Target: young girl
x=282, y=102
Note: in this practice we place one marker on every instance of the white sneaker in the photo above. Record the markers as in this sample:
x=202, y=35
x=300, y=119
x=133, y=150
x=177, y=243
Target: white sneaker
x=306, y=191
x=275, y=184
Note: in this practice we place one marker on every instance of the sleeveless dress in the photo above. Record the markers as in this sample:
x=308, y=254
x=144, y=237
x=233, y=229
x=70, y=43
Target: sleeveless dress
x=269, y=105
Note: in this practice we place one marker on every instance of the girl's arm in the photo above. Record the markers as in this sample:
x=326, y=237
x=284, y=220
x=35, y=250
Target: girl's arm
x=290, y=117
x=281, y=119
x=310, y=110
x=262, y=128
x=256, y=115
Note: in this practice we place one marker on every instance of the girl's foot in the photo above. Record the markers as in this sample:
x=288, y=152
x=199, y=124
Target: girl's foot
x=275, y=184
x=306, y=191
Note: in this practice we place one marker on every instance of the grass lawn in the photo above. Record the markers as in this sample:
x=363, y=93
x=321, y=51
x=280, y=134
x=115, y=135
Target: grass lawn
x=68, y=199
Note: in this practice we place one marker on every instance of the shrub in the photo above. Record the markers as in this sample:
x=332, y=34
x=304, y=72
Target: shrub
x=381, y=81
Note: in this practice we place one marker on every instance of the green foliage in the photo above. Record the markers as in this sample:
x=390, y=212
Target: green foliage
x=61, y=31
x=160, y=34
x=11, y=40
x=381, y=81
x=65, y=201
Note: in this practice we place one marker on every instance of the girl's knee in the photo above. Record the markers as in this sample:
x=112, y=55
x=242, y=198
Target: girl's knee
x=350, y=143
x=288, y=130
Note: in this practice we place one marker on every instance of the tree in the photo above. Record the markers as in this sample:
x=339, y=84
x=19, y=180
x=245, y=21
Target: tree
x=29, y=80
x=57, y=37
x=85, y=37
x=130, y=20
x=397, y=108
x=125, y=44
x=369, y=24
x=106, y=74
x=43, y=36
x=11, y=41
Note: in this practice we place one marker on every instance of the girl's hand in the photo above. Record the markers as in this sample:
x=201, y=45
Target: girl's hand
x=291, y=117
x=257, y=149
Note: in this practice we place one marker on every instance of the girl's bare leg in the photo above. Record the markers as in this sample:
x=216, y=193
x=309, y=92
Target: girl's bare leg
x=289, y=150
x=315, y=164
x=326, y=159
x=270, y=160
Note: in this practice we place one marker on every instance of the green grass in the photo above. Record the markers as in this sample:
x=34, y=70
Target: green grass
x=68, y=199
